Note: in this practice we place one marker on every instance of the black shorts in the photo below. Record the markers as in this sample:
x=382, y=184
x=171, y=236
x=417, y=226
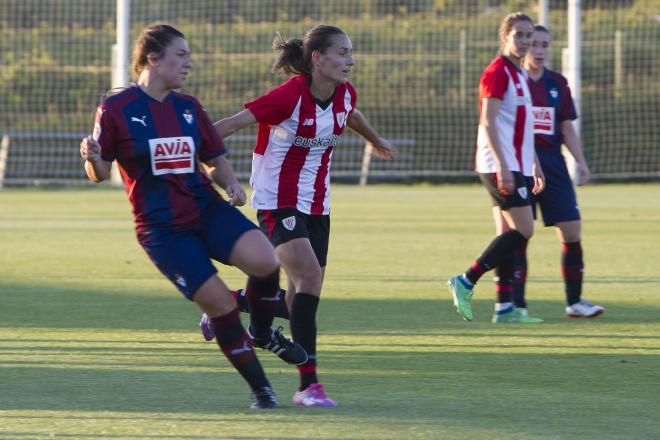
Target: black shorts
x=285, y=224
x=520, y=197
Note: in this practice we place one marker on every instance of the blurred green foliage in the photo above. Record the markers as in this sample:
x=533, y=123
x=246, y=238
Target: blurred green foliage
x=56, y=63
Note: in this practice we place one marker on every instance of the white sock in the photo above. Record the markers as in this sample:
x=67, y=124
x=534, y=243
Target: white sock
x=502, y=306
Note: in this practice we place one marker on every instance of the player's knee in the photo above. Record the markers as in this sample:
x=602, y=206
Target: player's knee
x=264, y=266
x=526, y=230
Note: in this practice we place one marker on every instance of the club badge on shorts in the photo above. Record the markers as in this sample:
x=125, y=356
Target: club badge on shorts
x=523, y=192
x=289, y=223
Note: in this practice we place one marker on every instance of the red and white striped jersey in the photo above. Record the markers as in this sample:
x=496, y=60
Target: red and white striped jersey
x=514, y=122
x=291, y=159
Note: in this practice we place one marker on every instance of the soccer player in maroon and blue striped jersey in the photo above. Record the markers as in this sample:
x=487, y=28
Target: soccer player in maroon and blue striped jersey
x=160, y=138
x=553, y=115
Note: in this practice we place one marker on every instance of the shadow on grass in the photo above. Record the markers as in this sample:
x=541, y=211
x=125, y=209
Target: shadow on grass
x=25, y=306
x=429, y=382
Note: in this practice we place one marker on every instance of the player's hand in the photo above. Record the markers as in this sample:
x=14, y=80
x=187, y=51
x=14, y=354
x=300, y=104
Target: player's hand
x=505, y=183
x=90, y=150
x=236, y=193
x=539, y=179
x=583, y=173
x=383, y=148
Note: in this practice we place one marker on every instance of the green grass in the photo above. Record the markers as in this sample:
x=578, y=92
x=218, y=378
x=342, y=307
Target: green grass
x=96, y=344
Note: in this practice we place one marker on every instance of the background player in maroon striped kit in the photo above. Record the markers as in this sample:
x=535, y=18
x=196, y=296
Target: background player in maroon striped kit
x=300, y=123
x=507, y=166
x=158, y=138
x=554, y=113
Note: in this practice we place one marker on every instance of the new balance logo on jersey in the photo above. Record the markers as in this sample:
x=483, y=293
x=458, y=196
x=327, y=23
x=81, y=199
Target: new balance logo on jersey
x=141, y=120
x=308, y=122
x=246, y=347
x=300, y=141
x=289, y=223
x=173, y=155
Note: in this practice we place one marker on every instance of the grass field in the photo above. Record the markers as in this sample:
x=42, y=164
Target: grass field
x=95, y=344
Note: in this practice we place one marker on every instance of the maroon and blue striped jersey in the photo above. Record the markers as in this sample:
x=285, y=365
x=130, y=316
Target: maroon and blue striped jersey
x=552, y=104
x=158, y=146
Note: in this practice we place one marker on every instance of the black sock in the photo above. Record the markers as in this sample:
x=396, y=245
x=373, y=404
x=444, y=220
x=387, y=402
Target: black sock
x=282, y=308
x=520, y=276
x=501, y=247
x=237, y=347
x=261, y=294
x=303, y=330
x=572, y=268
x=504, y=280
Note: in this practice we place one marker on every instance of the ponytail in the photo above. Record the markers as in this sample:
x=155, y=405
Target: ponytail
x=292, y=59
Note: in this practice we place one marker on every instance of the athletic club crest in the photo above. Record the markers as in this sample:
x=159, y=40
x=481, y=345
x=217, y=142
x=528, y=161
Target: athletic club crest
x=289, y=223
x=554, y=93
x=188, y=116
x=522, y=192
x=341, y=118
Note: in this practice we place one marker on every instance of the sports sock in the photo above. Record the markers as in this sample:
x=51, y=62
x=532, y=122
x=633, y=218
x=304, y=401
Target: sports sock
x=261, y=296
x=504, y=280
x=572, y=268
x=520, y=276
x=237, y=347
x=501, y=247
x=303, y=330
x=243, y=305
x=501, y=308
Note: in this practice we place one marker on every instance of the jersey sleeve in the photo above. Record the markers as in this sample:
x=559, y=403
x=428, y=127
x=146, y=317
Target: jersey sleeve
x=105, y=132
x=276, y=105
x=493, y=84
x=566, y=106
x=212, y=146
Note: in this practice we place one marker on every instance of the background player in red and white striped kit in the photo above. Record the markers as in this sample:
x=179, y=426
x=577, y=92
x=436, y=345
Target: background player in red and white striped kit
x=554, y=112
x=507, y=166
x=300, y=123
x=159, y=138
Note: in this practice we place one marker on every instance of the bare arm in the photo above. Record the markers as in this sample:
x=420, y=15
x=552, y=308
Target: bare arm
x=359, y=124
x=539, y=177
x=222, y=173
x=96, y=168
x=572, y=142
x=490, y=110
x=228, y=126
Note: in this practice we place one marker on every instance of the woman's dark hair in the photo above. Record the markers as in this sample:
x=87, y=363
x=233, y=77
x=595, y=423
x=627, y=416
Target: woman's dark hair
x=507, y=24
x=296, y=55
x=541, y=28
x=155, y=40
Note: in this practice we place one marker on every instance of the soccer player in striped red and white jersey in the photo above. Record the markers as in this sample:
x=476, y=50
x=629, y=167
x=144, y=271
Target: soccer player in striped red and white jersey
x=300, y=123
x=506, y=163
x=159, y=139
x=553, y=115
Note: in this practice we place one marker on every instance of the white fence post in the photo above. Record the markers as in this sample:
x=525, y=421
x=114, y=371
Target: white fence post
x=4, y=151
x=120, y=62
x=572, y=71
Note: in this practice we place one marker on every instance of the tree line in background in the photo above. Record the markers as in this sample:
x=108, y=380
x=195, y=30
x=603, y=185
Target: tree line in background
x=417, y=61
x=31, y=13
